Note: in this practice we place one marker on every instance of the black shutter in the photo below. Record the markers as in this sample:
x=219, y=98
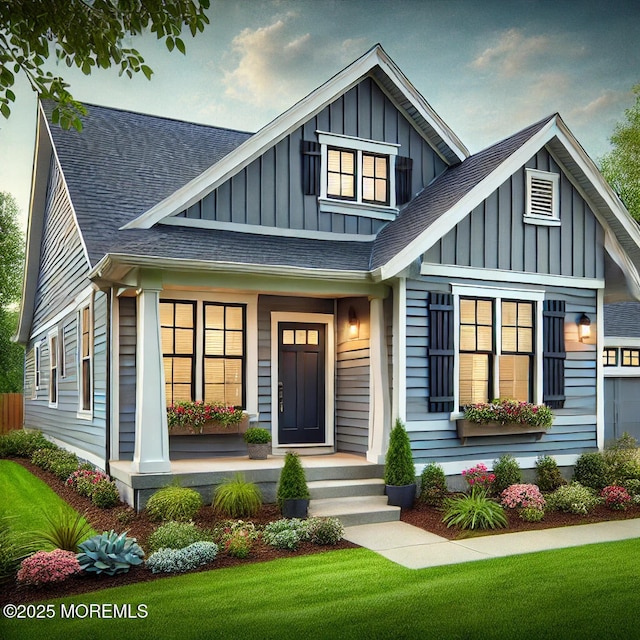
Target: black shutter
x=554, y=353
x=441, y=352
x=404, y=167
x=310, y=167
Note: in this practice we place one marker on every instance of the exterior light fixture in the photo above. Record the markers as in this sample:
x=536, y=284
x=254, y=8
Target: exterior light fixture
x=584, y=328
x=354, y=325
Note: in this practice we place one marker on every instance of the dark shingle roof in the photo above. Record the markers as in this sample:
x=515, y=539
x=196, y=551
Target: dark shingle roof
x=622, y=319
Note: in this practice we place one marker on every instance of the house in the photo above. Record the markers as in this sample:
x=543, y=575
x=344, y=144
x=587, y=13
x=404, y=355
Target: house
x=348, y=264
x=621, y=362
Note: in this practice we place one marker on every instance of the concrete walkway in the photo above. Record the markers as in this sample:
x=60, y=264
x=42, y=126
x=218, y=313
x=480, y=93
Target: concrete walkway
x=415, y=548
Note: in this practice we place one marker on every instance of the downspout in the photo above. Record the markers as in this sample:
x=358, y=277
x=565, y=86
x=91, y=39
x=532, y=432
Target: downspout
x=108, y=384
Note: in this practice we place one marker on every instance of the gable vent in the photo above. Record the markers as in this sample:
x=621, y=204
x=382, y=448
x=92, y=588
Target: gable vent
x=542, y=194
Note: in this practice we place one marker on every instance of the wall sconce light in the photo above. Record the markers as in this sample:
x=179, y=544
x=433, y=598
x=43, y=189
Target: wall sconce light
x=354, y=325
x=584, y=327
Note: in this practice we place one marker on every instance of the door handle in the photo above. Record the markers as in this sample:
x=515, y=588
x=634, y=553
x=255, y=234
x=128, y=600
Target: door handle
x=281, y=397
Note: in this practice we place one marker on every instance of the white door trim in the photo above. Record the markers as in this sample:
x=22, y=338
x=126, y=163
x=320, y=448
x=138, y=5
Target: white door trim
x=319, y=318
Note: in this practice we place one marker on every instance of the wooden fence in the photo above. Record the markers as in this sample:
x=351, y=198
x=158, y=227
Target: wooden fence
x=11, y=412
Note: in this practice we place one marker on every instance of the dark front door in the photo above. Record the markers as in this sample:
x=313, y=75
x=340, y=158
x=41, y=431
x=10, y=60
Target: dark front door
x=301, y=384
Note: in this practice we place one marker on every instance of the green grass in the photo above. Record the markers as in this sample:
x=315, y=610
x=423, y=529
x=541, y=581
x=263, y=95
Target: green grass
x=581, y=592
x=27, y=498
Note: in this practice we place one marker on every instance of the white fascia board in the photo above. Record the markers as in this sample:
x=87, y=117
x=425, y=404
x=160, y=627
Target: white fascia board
x=282, y=126
x=622, y=342
x=467, y=203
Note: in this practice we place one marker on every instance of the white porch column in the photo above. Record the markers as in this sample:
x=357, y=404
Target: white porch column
x=380, y=404
x=151, y=452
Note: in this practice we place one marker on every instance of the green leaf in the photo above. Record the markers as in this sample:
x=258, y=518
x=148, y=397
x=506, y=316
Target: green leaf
x=5, y=110
x=170, y=43
x=180, y=46
x=147, y=71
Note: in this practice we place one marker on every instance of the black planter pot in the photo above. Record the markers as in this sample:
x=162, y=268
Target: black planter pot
x=402, y=497
x=295, y=508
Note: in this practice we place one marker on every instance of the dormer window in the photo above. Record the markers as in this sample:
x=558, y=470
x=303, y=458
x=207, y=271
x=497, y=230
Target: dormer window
x=357, y=176
x=542, y=206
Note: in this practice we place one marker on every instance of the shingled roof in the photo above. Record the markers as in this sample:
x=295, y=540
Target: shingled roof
x=622, y=319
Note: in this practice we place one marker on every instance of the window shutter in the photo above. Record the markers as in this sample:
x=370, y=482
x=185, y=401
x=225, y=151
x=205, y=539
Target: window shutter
x=310, y=167
x=554, y=353
x=404, y=167
x=441, y=352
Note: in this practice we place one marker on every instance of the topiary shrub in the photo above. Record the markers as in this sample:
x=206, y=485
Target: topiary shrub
x=591, y=471
x=399, y=469
x=45, y=567
x=507, y=472
x=23, y=444
x=173, y=503
x=548, y=476
x=177, y=535
x=237, y=498
x=433, y=485
x=193, y=556
x=109, y=553
x=573, y=498
x=293, y=481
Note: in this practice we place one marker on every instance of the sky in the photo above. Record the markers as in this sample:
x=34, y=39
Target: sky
x=488, y=67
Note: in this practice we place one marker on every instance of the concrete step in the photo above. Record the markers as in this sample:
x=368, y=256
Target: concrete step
x=346, y=488
x=355, y=510
x=342, y=472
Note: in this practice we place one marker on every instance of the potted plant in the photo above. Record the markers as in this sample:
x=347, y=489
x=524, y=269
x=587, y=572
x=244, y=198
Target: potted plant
x=399, y=470
x=504, y=417
x=293, y=493
x=258, y=442
x=196, y=418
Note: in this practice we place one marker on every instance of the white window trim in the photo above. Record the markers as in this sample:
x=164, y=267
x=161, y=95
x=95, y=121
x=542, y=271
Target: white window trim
x=552, y=220
x=37, y=373
x=357, y=206
x=251, y=338
x=54, y=334
x=497, y=295
x=85, y=414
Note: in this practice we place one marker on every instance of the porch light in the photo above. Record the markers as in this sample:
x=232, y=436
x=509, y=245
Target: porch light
x=354, y=325
x=584, y=327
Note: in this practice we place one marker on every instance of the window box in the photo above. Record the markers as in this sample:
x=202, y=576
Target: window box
x=467, y=429
x=211, y=427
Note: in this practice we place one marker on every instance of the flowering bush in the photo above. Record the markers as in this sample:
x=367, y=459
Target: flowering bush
x=194, y=414
x=325, y=531
x=238, y=544
x=479, y=477
x=509, y=411
x=573, y=498
x=105, y=494
x=44, y=567
x=84, y=480
x=616, y=497
x=520, y=496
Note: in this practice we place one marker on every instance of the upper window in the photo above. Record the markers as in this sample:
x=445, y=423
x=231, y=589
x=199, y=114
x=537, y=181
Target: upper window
x=542, y=205
x=610, y=357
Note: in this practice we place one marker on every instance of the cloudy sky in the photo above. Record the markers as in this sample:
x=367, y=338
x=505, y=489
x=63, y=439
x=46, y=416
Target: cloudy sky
x=488, y=67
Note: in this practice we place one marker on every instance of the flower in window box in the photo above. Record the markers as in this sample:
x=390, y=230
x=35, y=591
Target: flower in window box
x=194, y=415
x=509, y=412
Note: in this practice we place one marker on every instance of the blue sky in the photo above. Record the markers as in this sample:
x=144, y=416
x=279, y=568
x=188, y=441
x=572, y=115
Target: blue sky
x=488, y=67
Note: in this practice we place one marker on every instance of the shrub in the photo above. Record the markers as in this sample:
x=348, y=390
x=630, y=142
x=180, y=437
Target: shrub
x=179, y=560
x=238, y=544
x=325, y=531
x=237, y=498
x=23, y=444
x=478, y=478
x=13, y=549
x=293, y=482
x=228, y=528
x=174, y=503
x=573, y=498
x=507, y=472
x=109, y=553
x=616, y=497
x=45, y=567
x=257, y=435
x=84, y=480
x=126, y=516
x=58, y=461
x=622, y=460
x=548, y=476
x=286, y=533
x=632, y=486
x=177, y=535
x=105, y=494
x=66, y=530
x=521, y=496
x=399, y=469
x=591, y=471
x=531, y=514
x=475, y=511
x=433, y=485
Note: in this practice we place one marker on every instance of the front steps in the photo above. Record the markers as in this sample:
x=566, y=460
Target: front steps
x=353, y=501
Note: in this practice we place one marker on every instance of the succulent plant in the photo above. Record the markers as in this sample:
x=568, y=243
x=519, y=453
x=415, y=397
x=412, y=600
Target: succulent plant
x=110, y=553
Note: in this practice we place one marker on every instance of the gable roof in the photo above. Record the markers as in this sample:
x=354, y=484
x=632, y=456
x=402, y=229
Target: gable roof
x=375, y=63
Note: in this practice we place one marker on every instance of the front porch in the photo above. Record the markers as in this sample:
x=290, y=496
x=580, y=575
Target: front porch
x=205, y=473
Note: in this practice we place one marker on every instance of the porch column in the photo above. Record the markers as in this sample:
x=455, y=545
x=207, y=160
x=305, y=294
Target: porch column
x=151, y=452
x=379, y=409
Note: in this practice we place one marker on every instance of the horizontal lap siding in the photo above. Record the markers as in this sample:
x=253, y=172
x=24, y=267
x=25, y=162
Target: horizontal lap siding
x=268, y=191
x=434, y=437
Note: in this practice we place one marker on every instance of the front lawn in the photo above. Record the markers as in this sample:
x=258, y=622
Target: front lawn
x=581, y=592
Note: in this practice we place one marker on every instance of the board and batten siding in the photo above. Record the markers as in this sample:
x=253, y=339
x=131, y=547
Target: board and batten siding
x=433, y=435
x=63, y=263
x=62, y=422
x=495, y=236
x=268, y=192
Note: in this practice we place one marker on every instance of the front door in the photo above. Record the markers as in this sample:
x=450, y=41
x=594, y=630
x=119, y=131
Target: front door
x=301, y=384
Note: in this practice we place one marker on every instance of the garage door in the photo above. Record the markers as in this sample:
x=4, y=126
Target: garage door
x=622, y=407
